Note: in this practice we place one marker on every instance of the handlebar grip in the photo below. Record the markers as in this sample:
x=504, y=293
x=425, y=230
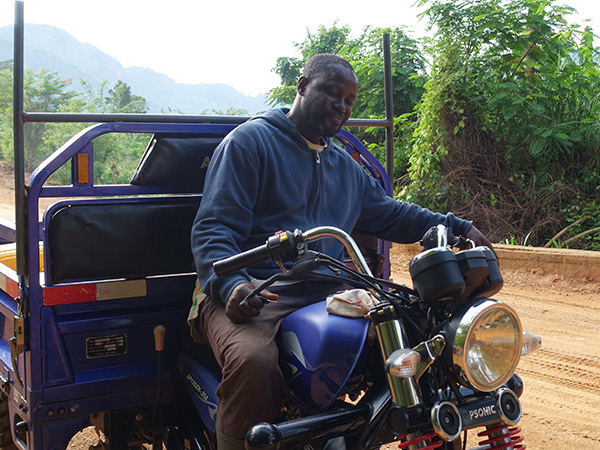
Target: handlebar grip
x=242, y=260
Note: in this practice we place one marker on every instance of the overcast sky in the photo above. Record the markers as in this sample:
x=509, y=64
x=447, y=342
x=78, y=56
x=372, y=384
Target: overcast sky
x=233, y=42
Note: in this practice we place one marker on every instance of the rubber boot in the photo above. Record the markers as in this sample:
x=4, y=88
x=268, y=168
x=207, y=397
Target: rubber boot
x=226, y=443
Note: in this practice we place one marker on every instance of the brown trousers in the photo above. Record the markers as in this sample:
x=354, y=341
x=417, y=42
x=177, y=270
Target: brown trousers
x=252, y=387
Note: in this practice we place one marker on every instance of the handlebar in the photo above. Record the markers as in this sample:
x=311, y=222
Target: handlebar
x=245, y=259
x=286, y=246
x=279, y=247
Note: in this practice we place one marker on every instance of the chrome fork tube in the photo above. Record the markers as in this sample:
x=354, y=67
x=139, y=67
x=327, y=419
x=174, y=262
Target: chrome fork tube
x=405, y=391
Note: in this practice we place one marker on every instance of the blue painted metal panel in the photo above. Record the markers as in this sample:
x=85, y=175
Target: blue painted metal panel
x=319, y=352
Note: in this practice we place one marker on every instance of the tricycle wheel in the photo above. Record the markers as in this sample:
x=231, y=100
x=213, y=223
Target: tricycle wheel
x=6, y=441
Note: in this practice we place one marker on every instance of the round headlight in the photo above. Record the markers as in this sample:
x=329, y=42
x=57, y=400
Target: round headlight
x=487, y=339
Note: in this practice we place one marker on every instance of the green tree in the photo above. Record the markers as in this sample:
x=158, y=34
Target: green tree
x=289, y=69
x=116, y=155
x=44, y=91
x=408, y=71
x=408, y=76
x=118, y=99
x=365, y=53
x=231, y=111
x=508, y=125
x=6, y=121
x=123, y=100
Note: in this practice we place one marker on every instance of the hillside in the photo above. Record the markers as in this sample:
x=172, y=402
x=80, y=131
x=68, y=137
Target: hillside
x=52, y=48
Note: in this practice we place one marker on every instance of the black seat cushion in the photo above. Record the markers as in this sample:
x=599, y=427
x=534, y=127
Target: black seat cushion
x=176, y=162
x=115, y=238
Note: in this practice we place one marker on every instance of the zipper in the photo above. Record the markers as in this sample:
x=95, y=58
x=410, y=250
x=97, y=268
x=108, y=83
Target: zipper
x=317, y=185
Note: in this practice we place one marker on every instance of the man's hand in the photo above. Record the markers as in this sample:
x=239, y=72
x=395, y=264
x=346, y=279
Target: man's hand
x=479, y=239
x=239, y=313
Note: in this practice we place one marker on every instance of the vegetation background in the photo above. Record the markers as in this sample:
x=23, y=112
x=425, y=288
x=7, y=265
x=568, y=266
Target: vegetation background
x=497, y=116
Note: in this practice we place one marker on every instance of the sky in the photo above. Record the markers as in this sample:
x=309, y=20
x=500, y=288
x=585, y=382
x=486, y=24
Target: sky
x=234, y=42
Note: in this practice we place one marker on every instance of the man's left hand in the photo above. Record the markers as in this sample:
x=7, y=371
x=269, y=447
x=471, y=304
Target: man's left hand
x=479, y=239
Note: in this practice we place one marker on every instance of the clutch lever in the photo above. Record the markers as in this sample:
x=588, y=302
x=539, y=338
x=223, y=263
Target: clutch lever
x=302, y=266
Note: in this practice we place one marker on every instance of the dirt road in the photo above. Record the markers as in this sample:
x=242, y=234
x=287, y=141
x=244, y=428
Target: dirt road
x=561, y=402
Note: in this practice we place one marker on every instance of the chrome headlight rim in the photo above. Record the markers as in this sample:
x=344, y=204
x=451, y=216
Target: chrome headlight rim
x=461, y=328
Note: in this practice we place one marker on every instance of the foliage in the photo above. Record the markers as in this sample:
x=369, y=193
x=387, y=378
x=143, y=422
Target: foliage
x=583, y=230
x=231, y=111
x=6, y=110
x=509, y=126
x=115, y=156
x=44, y=91
x=365, y=53
x=118, y=99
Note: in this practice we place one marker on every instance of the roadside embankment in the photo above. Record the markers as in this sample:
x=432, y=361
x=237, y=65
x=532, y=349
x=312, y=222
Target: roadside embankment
x=575, y=264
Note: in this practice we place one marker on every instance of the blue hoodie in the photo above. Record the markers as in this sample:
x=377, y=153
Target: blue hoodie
x=264, y=178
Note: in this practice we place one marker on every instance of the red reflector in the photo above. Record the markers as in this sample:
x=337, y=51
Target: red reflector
x=70, y=294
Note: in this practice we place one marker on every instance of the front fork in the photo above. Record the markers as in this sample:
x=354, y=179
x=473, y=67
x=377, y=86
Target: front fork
x=404, y=391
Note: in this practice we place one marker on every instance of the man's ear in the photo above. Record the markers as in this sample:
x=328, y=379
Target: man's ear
x=301, y=86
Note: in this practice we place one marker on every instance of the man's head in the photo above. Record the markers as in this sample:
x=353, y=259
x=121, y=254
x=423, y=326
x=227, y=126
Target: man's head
x=326, y=93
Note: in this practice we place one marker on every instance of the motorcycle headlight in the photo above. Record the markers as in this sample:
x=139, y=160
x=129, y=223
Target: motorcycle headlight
x=486, y=340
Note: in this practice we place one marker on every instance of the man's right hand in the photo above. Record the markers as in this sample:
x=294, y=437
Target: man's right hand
x=239, y=313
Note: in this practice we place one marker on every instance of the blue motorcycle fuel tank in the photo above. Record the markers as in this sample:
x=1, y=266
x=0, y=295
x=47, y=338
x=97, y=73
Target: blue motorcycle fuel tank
x=321, y=355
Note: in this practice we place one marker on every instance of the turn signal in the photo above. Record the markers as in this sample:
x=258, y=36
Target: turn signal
x=531, y=342
x=403, y=363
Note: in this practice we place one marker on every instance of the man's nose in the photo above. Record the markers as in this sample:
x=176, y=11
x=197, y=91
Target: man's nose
x=341, y=106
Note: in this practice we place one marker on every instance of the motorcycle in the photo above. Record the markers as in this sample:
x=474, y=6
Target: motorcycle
x=420, y=366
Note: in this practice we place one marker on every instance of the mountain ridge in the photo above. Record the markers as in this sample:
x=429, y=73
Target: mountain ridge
x=52, y=48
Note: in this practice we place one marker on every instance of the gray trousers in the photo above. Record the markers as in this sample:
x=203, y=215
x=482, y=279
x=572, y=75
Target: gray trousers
x=252, y=387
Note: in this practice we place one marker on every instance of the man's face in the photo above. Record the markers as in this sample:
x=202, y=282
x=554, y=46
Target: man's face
x=328, y=99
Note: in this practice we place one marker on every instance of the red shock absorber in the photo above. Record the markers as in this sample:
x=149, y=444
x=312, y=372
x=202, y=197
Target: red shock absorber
x=502, y=437
x=435, y=443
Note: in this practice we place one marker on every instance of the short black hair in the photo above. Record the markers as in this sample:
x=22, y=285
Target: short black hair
x=322, y=61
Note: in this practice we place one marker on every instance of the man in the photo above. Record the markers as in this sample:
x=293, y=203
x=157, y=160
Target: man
x=281, y=171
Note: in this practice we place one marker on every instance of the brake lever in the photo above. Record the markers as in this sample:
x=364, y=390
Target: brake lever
x=303, y=266
x=265, y=284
